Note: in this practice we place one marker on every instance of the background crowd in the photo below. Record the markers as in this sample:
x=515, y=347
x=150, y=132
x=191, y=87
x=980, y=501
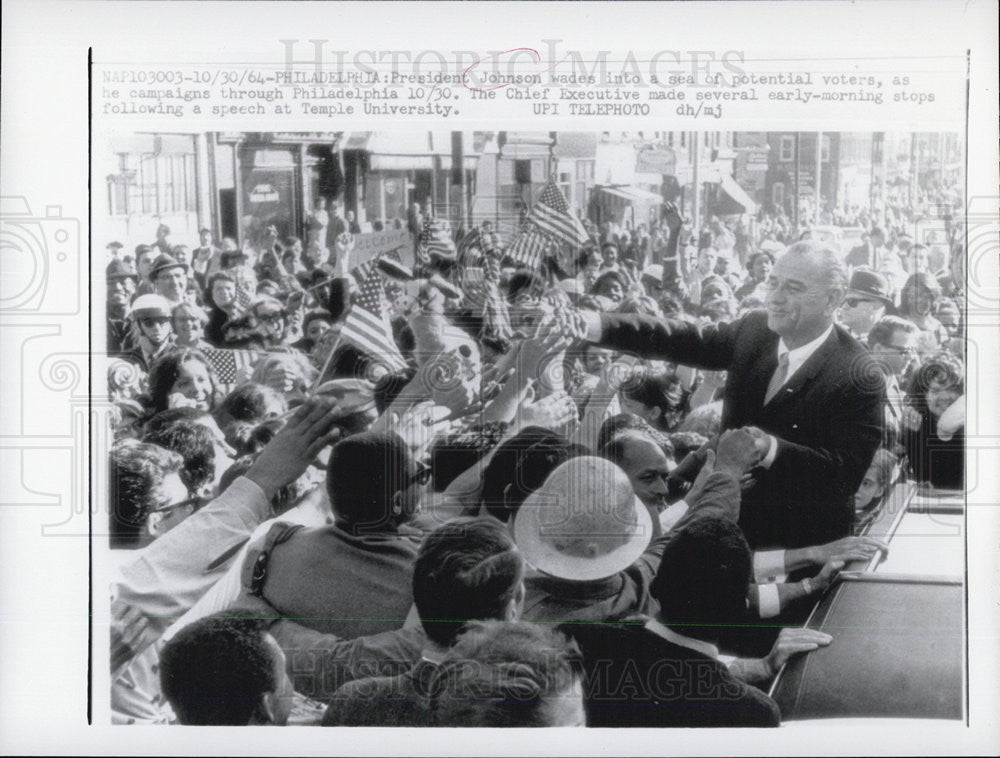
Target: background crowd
x=330, y=477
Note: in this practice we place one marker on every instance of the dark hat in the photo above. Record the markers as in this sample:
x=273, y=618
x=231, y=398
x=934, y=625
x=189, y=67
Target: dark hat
x=116, y=245
x=394, y=269
x=142, y=248
x=610, y=274
x=120, y=270
x=163, y=263
x=870, y=284
x=229, y=257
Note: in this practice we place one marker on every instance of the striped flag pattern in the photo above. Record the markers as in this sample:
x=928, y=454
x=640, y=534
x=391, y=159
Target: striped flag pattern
x=367, y=325
x=435, y=239
x=362, y=271
x=470, y=248
x=232, y=367
x=246, y=287
x=552, y=215
x=529, y=246
x=496, y=317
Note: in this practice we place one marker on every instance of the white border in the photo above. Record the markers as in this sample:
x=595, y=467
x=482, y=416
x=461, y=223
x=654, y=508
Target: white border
x=43, y=594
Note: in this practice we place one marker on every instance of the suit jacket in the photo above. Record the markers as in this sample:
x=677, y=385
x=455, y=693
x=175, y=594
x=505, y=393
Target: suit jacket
x=863, y=255
x=402, y=700
x=549, y=599
x=636, y=678
x=340, y=583
x=827, y=418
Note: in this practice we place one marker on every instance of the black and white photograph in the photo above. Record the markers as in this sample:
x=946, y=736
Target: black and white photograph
x=499, y=378
x=535, y=428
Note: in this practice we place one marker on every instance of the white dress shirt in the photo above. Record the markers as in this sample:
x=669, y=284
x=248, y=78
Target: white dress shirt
x=796, y=357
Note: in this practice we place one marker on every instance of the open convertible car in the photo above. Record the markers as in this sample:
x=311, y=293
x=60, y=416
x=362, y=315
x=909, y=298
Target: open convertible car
x=899, y=649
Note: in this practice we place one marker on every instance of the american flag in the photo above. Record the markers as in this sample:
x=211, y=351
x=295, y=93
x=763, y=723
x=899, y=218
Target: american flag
x=435, y=239
x=470, y=247
x=232, y=367
x=246, y=287
x=362, y=271
x=367, y=325
x=496, y=318
x=552, y=215
x=529, y=246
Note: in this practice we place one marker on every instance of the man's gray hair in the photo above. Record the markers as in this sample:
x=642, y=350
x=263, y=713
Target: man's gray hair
x=834, y=274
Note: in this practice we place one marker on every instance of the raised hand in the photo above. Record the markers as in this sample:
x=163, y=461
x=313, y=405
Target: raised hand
x=737, y=452
x=672, y=217
x=309, y=430
x=448, y=381
x=557, y=412
x=548, y=342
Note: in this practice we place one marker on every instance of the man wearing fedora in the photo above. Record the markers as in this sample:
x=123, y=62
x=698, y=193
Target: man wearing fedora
x=121, y=281
x=868, y=296
x=114, y=251
x=170, y=278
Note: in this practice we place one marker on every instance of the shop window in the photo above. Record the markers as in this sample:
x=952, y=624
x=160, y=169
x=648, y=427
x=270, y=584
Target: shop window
x=787, y=148
x=154, y=184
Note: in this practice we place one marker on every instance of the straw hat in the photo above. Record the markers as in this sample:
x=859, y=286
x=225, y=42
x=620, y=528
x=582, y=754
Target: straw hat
x=585, y=523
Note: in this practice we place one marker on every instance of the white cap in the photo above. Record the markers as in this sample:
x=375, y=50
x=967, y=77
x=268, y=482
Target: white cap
x=152, y=304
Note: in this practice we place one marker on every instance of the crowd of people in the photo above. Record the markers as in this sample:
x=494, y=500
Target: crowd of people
x=470, y=492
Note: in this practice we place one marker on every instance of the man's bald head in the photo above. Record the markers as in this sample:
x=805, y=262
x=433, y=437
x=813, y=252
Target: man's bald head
x=645, y=464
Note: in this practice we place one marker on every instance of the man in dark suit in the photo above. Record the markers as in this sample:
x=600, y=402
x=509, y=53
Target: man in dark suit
x=807, y=390
x=665, y=671
x=870, y=253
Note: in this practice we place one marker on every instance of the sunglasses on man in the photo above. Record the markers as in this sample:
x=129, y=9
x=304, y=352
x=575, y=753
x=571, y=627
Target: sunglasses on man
x=853, y=302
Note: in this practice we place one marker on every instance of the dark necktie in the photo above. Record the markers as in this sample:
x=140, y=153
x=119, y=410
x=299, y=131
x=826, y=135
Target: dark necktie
x=777, y=379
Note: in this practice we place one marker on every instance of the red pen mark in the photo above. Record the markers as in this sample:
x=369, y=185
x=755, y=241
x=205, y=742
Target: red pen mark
x=532, y=50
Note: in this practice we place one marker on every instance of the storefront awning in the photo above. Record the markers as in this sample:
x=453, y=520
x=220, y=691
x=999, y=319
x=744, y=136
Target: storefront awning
x=737, y=197
x=410, y=151
x=631, y=195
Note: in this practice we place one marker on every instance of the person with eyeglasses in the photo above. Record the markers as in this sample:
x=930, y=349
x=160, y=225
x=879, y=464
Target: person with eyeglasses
x=272, y=320
x=148, y=497
x=151, y=332
x=351, y=578
x=867, y=298
x=893, y=344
